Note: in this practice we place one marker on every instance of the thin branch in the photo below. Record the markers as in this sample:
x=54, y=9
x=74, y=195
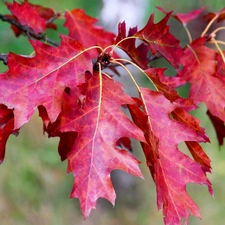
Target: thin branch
x=135, y=65
x=219, y=49
x=28, y=31
x=3, y=57
x=218, y=42
x=154, y=57
x=57, y=15
x=209, y=25
x=188, y=34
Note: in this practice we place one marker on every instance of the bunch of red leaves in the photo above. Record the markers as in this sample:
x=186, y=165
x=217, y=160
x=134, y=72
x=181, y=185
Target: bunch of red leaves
x=80, y=102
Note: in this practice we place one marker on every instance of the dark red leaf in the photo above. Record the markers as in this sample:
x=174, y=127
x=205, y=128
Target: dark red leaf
x=179, y=114
x=219, y=127
x=220, y=15
x=82, y=28
x=196, y=150
x=42, y=79
x=6, y=128
x=66, y=143
x=70, y=101
x=34, y=16
x=220, y=69
x=185, y=18
x=137, y=54
x=199, y=155
x=165, y=84
x=171, y=169
x=84, y=109
x=160, y=40
x=124, y=142
x=200, y=70
x=100, y=123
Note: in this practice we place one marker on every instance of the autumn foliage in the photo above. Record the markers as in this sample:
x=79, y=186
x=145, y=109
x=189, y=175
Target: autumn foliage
x=72, y=86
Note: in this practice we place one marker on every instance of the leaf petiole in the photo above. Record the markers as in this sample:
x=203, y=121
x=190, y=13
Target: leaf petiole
x=218, y=42
x=208, y=26
x=188, y=34
x=218, y=29
x=87, y=49
x=117, y=45
x=219, y=49
x=139, y=90
x=135, y=65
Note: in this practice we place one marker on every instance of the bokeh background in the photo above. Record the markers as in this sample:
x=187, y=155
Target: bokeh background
x=34, y=185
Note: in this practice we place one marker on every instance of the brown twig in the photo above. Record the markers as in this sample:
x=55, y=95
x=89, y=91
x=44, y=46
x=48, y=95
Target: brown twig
x=28, y=31
x=53, y=18
x=3, y=57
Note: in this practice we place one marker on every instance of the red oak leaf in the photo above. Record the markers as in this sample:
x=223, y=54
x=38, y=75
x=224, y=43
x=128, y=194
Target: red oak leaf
x=183, y=116
x=34, y=16
x=42, y=79
x=81, y=27
x=45, y=13
x=185, y=18
x=200, y=70
x=6, y=128
x=220, y=69
x=220, y=15
x=171, y=169
x=199, y=155
x=70, y=101
x=165, y=84
x=219, y=127
x=137, y=54
x=160, y=40
x=124, y=142
x=100, y=123
x=16, y=31
x=66, y=139
x=196, y=150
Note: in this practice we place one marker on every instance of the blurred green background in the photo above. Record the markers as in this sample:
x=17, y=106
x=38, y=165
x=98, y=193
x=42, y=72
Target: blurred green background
x=34, y=185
